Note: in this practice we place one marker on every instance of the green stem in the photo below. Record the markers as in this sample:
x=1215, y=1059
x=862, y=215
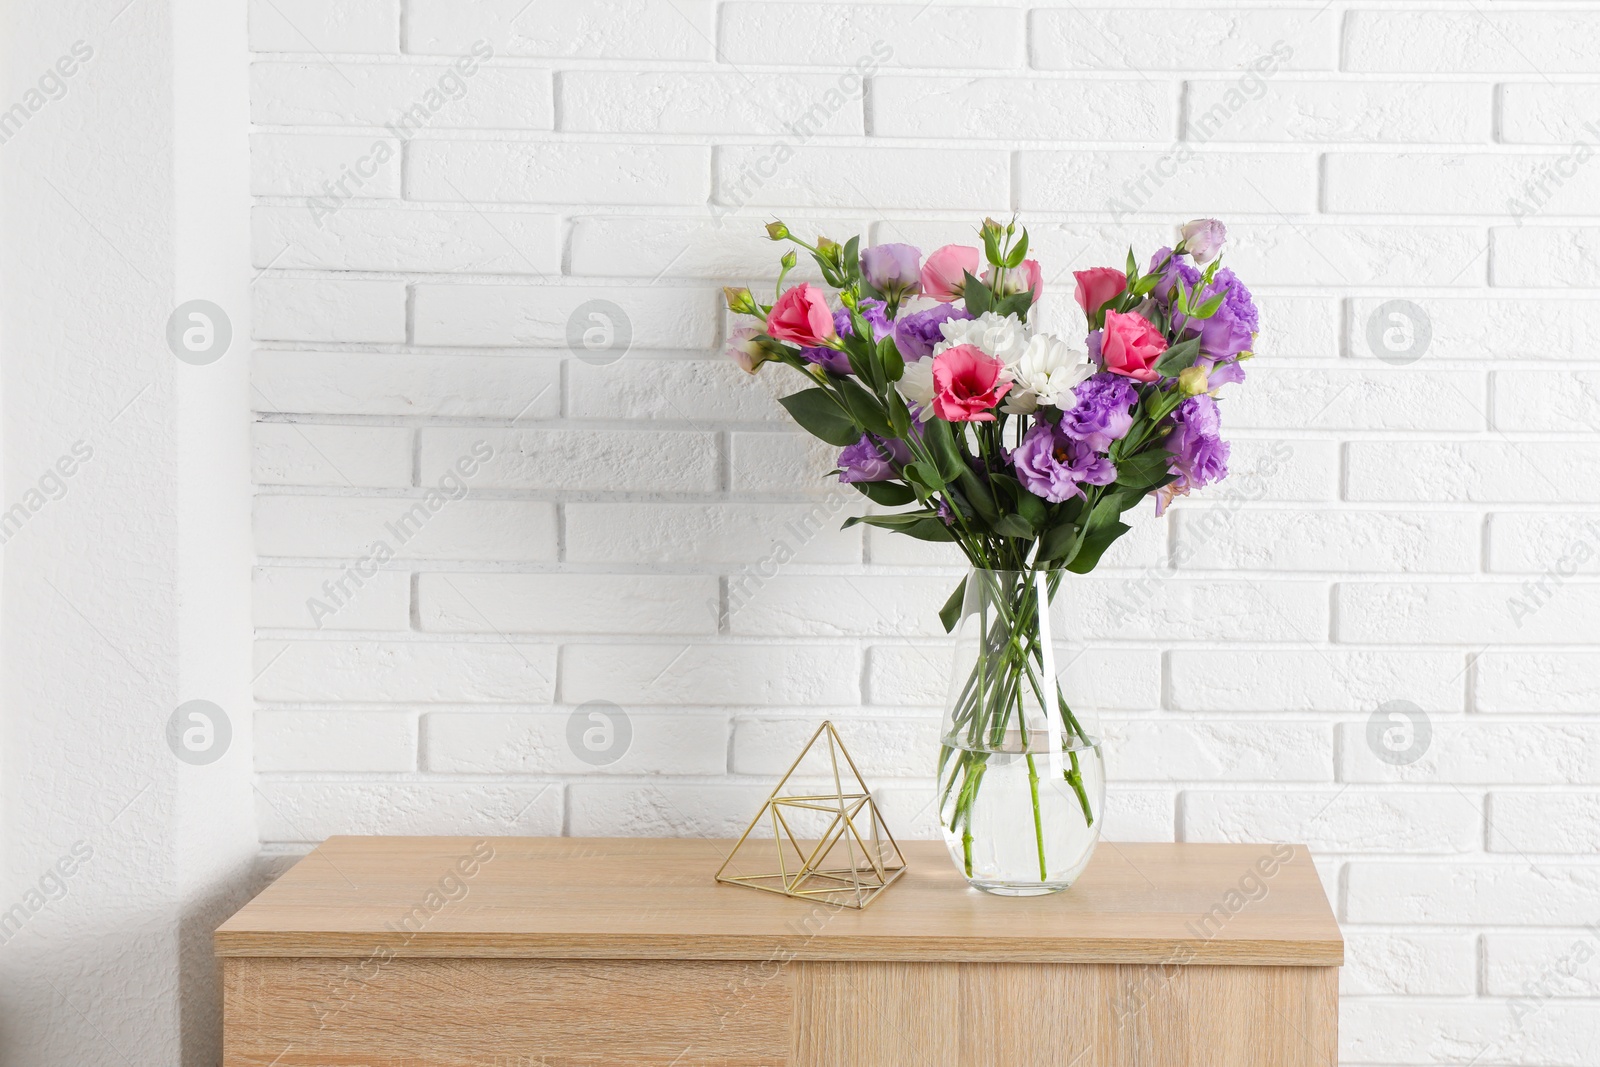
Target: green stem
x=1038, y=823
x=1074, y=778
x=1009, y=665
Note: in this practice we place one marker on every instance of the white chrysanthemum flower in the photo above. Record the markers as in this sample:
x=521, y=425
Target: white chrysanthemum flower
x=1046, y=373
x=1001, y=336
x=916, y=385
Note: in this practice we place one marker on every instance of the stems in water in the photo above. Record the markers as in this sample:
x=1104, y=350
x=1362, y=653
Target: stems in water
x=1009, y=665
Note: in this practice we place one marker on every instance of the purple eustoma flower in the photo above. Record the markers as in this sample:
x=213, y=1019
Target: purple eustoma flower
x=1051, y=465
x=830, y=359
x=1171, y=267
x=894, y=270
x=1232, y=329
x=875, y=312
x=1103, y=411
x=917, y=333
x=872, y=459
x=1199, y=454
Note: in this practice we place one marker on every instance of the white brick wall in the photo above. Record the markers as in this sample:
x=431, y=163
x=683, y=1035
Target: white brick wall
x=467, y=529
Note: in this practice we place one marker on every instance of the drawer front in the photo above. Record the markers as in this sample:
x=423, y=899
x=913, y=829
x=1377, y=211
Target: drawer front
x=411, y=1012
x=504, y=1013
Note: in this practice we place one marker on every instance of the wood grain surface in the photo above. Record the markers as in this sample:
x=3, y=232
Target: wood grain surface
x=530, y=1013
x=1063, y=1015
x=653, y=898
x=526, y=952
x=658, y=1013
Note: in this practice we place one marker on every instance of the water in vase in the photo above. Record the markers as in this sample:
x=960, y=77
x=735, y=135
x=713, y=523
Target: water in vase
x=999, y=839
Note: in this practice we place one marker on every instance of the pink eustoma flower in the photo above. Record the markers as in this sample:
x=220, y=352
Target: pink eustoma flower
x=801, y=315
x=967, y=385
x=944, y=273
x=1097, y=286
x=1130, y=346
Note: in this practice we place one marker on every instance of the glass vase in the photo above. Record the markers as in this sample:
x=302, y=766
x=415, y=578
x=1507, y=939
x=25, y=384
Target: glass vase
x=1021, y=778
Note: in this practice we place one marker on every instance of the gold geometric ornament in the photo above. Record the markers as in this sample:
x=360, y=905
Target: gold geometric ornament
x=831, y=847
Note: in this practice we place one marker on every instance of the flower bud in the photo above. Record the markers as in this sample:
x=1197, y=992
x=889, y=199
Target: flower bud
x=1192, y=381
x=789, y=260
x=745, y=349
x=994, y=235
x=777, y=231
x=740, y=302
x=1202, y=239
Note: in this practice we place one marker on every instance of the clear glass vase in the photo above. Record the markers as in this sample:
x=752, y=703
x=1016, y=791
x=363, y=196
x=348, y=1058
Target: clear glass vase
x=1021, y=788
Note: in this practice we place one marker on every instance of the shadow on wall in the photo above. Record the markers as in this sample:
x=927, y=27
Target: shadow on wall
x=199, y=971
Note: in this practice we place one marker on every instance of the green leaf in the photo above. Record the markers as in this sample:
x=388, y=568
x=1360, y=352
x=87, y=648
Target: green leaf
x=1094, y=546
x=862, y=355
x=991, y=245
x=852, y=259
x=889, y=494
x=1133, y=264
x=924, y=474
x=1017, y=304
x=950, y=614
x=1129, y=496
x=1099, y=530
x=865, y=408
x=1057, y=541
x=1006, y=489
x=928, y=530
x=1104, y=514
x=899, y=414
x=820, y=414
x=1019, y=252
x=893, y=363
x=1144, y=468
x=889, y=522
x=1179, y=356
x=978, y=496
x=1209, y=308
x=976, y=295
x=1013, y=526
x=1157, y=317
x=940, y=439
x=1032, y=509
x=956, y=502
x=1158, y=404
x=1067, y=511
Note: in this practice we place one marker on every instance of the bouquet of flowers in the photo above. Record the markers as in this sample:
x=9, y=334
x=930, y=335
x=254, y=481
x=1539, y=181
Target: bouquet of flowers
x=1021, y=448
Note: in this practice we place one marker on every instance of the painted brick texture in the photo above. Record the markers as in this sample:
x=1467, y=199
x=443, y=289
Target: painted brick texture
x=508, y=487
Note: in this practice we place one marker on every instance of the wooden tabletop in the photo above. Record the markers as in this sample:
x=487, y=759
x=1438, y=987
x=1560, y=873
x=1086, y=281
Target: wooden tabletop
x=654, y=898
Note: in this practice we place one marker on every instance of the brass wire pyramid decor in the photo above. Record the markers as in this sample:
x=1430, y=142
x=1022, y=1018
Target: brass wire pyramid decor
x=852, y=857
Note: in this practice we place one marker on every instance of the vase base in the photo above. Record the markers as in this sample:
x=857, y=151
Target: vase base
x=1014, y=889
